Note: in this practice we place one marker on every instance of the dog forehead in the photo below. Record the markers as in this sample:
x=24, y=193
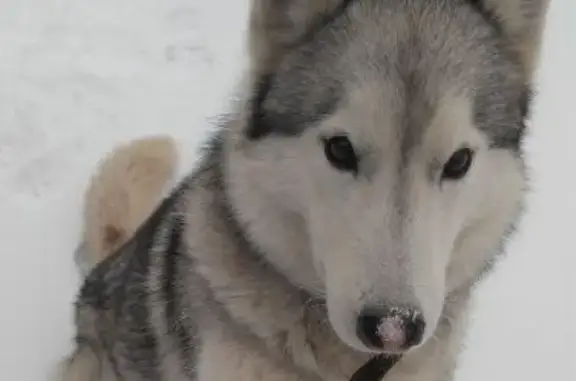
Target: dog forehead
x=429, y=54
x=409, y=74
x=391, y=124
x=407, y=58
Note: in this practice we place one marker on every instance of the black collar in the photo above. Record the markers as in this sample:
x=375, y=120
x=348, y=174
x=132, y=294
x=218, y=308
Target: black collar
x=375, y=369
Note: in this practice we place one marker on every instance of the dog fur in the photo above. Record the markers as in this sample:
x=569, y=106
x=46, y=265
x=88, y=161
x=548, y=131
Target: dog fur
x=258, y=263
x=122, y=193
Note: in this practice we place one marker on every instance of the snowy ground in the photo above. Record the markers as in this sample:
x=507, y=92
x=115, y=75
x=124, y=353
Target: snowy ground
x=80, y=76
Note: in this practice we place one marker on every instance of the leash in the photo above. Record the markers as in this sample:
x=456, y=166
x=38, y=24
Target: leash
x=375, y=369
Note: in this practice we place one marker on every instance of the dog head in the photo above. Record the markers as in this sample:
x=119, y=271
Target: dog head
x=381, y=162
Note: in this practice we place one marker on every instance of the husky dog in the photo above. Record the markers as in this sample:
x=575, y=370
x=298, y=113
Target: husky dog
x=341, y=214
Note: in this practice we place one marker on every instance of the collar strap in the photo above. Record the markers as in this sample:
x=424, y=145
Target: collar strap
x=375, y=369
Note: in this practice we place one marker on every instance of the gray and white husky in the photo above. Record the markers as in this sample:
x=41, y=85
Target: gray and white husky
x=341, y=214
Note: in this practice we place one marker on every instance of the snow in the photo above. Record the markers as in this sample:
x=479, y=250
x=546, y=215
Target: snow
x=78, y=77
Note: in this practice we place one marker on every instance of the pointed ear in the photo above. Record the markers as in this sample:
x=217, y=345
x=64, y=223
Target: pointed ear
x=277, y=25
x=523, y=21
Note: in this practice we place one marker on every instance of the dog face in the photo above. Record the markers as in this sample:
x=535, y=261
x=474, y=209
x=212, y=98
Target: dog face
x=381, y=164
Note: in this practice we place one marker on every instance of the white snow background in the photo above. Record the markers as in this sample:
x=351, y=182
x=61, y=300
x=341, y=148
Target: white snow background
x=78, y=77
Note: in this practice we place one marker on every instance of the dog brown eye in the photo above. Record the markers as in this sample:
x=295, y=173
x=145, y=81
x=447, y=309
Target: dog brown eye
x=458, y=164
x=340, y=153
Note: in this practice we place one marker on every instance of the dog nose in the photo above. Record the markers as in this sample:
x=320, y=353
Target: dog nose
x=390, y=328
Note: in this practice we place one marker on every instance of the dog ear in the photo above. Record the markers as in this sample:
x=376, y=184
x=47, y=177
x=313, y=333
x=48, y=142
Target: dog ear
x=523, y=21
x=276, y=25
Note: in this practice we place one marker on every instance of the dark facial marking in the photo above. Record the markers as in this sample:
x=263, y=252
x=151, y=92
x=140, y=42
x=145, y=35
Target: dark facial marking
x=526, y=103
x=262, y=122
x=287, y=110
x=502, y=116
x=257, y=125
x=487, y=14
x=417, y=107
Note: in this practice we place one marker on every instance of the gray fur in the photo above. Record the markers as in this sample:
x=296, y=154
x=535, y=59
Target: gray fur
x=256, y=265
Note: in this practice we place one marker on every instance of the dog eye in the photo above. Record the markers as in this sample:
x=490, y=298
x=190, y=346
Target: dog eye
x=340, y=153
x=458, y=164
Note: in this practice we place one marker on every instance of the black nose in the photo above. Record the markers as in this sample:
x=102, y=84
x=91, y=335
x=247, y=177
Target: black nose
x=390, y=328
